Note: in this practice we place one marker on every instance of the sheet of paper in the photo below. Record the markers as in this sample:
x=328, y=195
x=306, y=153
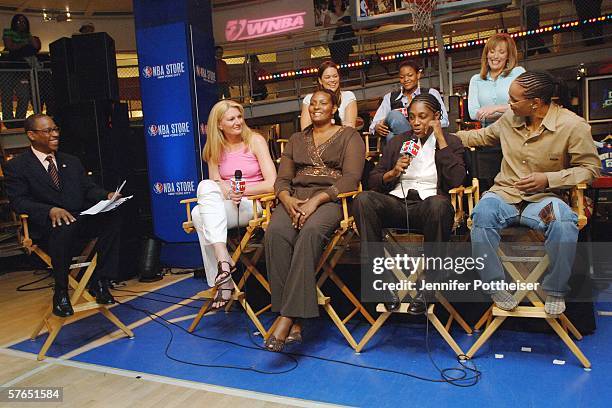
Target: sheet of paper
x=108, y=205
x=105, y=205
x=95, y=209
x=115, y=204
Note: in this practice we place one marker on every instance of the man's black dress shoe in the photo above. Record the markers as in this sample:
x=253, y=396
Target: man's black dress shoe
x=61, y=304
x=99, y=289
x=393, y=304
x=417, y=305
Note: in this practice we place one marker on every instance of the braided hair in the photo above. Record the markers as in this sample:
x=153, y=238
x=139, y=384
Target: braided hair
x=538, y=85
x=431, y=102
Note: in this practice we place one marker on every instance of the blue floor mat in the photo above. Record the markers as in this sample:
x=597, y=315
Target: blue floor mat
x=84, y=331
x=518, y=379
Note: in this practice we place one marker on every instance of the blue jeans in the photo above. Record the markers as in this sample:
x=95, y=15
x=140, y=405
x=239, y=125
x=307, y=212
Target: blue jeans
x=492, y=214
x=397, y=124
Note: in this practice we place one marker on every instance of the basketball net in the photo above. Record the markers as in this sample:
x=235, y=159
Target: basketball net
x=421, y=14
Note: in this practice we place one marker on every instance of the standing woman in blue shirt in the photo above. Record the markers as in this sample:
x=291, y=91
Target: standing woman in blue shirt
x=488, y=93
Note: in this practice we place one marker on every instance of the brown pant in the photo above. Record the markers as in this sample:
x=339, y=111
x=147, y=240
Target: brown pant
x=292, y=256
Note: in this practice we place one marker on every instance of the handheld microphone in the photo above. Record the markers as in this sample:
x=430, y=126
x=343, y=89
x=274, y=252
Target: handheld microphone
x=237, y=184
x=410, y=148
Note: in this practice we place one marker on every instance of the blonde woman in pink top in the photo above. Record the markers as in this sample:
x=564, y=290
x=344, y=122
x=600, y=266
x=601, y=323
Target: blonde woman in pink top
x=230, y=145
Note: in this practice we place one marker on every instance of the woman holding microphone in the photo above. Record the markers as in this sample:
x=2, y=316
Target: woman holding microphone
x=230, y=145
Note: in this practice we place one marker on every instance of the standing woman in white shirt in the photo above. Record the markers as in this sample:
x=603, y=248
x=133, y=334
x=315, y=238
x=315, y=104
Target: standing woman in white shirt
x=329, y=78
x=488, y=92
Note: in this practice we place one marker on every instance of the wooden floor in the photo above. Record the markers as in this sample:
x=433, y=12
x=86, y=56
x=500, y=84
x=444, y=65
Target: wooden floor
x=96, y=386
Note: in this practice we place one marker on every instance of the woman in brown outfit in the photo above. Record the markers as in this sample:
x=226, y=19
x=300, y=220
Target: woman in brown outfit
x=317, y=164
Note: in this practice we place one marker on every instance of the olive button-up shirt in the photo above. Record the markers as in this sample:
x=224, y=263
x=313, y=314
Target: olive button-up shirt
x=562, y=148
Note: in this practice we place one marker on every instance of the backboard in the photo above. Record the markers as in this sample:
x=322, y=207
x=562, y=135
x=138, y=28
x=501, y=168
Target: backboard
x=368, y=13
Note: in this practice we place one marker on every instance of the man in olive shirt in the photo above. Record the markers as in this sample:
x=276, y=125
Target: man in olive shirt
x=546, y=149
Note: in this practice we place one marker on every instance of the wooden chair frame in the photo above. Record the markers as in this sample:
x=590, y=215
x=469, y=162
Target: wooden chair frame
x=81, y=300
x=494, y=317
x=281, y=143
x=375, y=154
x=241, y=252
x=332, y=253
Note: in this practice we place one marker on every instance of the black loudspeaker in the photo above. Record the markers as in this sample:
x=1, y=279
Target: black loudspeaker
x=63, y=73
x=98, y=133
x=95, y=131
x=138, y=180
x=150, y=269
x=95, y=66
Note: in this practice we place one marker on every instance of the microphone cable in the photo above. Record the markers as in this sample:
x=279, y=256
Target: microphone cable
x=46, y=274
x=467, y=376
x=241, y=248
x=464, y=371
x=291, y=356
x=167, y=324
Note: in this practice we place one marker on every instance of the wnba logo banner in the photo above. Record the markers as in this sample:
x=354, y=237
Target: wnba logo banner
x=236, y=30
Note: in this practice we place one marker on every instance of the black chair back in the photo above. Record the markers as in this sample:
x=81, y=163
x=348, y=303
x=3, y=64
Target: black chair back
x=484, y=164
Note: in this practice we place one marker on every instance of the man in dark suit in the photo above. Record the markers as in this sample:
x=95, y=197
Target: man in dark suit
x=52, y=188
x=412, y=190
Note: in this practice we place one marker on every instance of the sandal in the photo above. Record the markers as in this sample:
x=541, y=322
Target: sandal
x=223, y=276
x=274, y=344
x=294, y=336
x=222, y=302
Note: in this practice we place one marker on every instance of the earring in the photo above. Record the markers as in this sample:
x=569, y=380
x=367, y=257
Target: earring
x=533, y=107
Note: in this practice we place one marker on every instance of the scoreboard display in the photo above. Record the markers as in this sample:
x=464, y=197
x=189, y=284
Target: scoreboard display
x=368, y=13
x=598, y=99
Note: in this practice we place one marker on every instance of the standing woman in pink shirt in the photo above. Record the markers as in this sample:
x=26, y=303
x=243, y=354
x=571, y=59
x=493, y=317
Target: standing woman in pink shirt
x=230, y=145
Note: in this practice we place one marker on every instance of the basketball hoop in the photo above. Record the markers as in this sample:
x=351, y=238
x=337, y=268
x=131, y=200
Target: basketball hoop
x=421, y=14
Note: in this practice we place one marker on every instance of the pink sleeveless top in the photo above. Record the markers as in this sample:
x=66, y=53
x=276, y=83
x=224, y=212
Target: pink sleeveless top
x=243, y=160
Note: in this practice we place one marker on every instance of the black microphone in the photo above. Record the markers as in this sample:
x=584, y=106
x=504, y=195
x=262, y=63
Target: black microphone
x=237, y=184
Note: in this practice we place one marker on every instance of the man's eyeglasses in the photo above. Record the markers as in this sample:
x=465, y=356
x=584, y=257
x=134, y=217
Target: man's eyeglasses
x=47, y=131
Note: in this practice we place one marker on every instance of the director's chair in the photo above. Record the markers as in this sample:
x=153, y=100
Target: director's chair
x=373, y=145
x=516, y=264
x=337, y=246
x=396, y=239
x=248, y=251
x=281, y=144
x=81, y=300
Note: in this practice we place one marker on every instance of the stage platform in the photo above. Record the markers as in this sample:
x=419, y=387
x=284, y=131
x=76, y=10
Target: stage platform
x=165, y=366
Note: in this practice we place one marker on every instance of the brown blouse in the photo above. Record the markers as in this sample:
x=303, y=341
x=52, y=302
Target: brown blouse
x=334, y=166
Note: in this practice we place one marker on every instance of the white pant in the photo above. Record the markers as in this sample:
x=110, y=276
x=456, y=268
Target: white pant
x=212, y=217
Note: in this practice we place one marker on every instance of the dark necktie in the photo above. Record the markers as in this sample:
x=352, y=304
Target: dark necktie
x=53, y=171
